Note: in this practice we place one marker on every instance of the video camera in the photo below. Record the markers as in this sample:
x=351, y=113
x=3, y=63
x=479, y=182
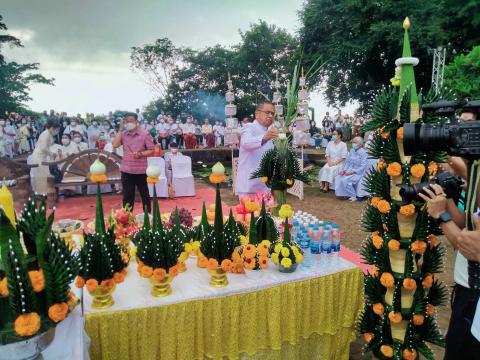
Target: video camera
x=449, y=183
x=457, y=139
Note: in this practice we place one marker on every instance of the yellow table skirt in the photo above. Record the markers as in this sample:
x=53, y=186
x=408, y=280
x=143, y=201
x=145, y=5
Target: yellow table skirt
x=311, y=319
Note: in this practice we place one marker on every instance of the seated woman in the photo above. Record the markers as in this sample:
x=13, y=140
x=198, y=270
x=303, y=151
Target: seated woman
x=79, y=144
x=348, y=179
x=335, y=154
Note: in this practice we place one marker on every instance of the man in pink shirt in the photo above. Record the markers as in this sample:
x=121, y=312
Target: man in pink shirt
x=137, y=145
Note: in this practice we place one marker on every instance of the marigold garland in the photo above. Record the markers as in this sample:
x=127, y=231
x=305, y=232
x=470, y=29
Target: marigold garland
x=386, y=351
x=118, y=278
x=430, y=309
x=226, y=265
x=212, y=264
x=37, y=280
x=373, y=271
x=409, y=354
x=27, y=324
x=146, y=271
x=387, y=280
x=395, y=317
x=383, y=206
x=409, y=284
x=289, y=182
x=419, y=247
x=400, y=133
x=394, y=245
x=92, y=285
x=427, y=281
x=202, y=262
x=385, y=135
x=159, y=274
x=407, y=210
x=432, y=168
x=4, y=288
x=418, y=319
x=286, y=262
x=107, y=284
x=432, y=239
x=394, y=169
x=377, y=241
x=173, y=271
x=381, y=164
x=378, y=309
x=417, y=170
x=58, y=312
x=374, y=201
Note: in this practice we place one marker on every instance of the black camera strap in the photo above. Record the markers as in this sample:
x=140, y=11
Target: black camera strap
x=471, y=206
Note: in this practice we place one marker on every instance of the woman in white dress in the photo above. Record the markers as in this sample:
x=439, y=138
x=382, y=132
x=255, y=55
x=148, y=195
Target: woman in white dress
x=336, y=153
x=40, y=154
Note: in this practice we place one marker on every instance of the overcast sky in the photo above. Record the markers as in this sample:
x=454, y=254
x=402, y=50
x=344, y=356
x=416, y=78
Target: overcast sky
x=85, y=44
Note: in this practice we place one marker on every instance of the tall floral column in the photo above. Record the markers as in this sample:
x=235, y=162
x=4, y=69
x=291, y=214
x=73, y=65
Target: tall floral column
x=401, y=291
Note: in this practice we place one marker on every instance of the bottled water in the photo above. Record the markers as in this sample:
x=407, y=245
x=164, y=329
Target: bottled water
x=336, y=238
x=326, y=241
x=315, y=245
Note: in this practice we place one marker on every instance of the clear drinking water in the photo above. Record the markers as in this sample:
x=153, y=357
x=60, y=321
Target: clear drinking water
x=326, y=241
x=336, y=238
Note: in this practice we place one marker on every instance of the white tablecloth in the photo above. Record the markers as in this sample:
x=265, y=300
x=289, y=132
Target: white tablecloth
x=194, y=283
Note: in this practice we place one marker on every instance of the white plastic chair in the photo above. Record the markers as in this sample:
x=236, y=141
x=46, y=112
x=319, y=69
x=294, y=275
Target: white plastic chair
x=182, y=178
x=162, y=185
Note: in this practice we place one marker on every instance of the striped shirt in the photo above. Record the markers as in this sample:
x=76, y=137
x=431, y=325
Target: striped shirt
x=137, y=141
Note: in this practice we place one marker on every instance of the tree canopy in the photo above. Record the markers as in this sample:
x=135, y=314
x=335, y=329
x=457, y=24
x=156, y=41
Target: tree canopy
x=462, y=75
x=15, y=78
x=361, y=39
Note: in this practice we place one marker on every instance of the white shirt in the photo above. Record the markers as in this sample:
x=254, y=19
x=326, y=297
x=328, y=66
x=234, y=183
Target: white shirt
x=188, y=128
x=336, y=151
x=251, y=153
x=93, y=132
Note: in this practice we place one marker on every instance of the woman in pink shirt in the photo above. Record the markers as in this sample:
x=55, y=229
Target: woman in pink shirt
x=137, y=146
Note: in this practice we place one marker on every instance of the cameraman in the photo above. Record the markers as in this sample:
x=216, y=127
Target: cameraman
x=453, y=221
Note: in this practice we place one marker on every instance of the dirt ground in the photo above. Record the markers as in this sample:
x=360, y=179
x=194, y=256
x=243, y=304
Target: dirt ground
x=348, y=216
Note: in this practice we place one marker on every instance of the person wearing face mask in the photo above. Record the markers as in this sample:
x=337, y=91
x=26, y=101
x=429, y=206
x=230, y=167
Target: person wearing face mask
x=176, y=133
x=335, y=154
x=3, y=143
x=219, y=132
x=172, y=154
x=137, y=146
x=348, y=179
x=106, y=126
x=41, y=153
x=10, y=135
x=208, y=137
x=189, y=134
x=256, y=140
x=93, y=133
x=163, y=130
x=101, y=142
x=23, y=134
x=77, y=140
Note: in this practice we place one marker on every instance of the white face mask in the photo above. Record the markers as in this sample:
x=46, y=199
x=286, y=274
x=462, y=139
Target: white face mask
x=131, y=126
x=73, y=123
x=174, y=151
x=94, y=124
x=77, y=139
x=106, y=126
x=65, y=142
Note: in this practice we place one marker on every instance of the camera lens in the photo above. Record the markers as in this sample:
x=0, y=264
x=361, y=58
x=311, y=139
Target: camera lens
x=425, y=138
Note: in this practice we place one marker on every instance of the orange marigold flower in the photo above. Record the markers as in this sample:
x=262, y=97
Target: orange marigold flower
x=202, y=262
x=118, y=277
x=419, y=247
x=152, y=180
x=400, y=133
x=395, y=317
x=432, y=168
x=140, y=266
x=407, y=210
x=146, y=271
x=252, y=206
x=227, y=265
x=377, y=241
x=236, y=257
x=58, y=312
x=289, y=182
x=409, y=354
x=262, y=249
x=432, y=239
x=98, y=178
x=409, y=284
x=383, y=206
x=381, y=164
x=107, y=284
x=374, y=270
x=385, y=135
x=430, y=309
x=386, y=351
x=368, y=337
x=418, y=319
x=216, y=179
x=212, y=264
x=394, y=245
x=159, y=274
x=79, y=282
x=37, y=280
x=374, y=201
x=249, y=263
x=263, y=261
x=238, y=267
x=264, y=179
x=27, y=324
x=4, y=288
x=173, y=271
x=394, y=169
x=387, y=280
x=92, y=285
x=427, y=281
x=249, y=251
x=378, y=309
x=417, y=170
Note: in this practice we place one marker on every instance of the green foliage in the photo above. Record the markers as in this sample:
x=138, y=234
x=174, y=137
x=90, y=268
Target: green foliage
x=359, y=39
x=15, y=78
x=462, y=75
x=266, y=229
x=378, y=183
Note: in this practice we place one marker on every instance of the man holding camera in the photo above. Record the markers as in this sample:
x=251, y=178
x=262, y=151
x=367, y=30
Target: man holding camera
x=462, y=230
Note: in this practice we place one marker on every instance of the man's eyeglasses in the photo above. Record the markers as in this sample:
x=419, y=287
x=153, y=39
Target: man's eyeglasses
x=267, y=112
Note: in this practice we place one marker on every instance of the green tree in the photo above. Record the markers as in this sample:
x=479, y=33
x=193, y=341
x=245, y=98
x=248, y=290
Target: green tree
x=15, y=78
x=358, y=39
x=462, y=75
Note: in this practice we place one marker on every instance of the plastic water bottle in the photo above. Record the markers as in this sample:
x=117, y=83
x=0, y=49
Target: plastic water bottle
x=315, y=245
x=336, y=238
x=326, y=241
x=307, y=255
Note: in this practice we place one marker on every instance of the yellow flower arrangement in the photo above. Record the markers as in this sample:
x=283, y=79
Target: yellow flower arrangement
x=383, y=206
x=417, y=170
x=263, y=262
x=4, y=288
x=394, y=169
x=285, y=252
x=243, y=240
x=226, y=265
x=298, y=258
x=262, y=249
x=212, y=264
x=407, y=210
x=285, y=211
x=400, y=133
x=394, y=245
x=387, y=280
x=195, y=245
x=183, y=256
x=188, y=247
x=386, y=351
x=152, y=180
x=216, y=179
x=274, y=258
x=278, y=248
x=100, y=178
x=264, y=179
x=37, y=280
x=250, y=263
x=58, y=312
x=395, y=317
x=286, y=262
x=430, y=310
x=252, y=206
x=27, y=324
x=249, y=251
